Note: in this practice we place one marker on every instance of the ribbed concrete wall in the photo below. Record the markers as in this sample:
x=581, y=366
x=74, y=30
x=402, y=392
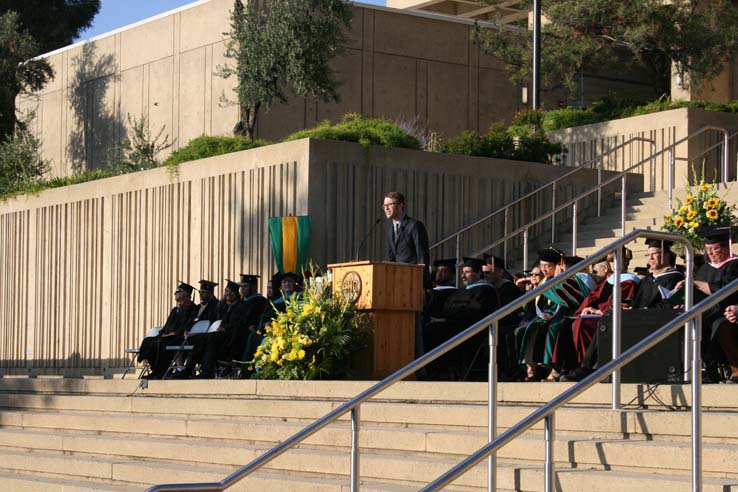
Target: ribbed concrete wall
x=584, y=143
x=85, y=270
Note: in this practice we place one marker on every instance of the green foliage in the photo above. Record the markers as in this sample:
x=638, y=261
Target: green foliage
x=700, y=209
x=19, y=73
x=209, y=146
x=140, y=150
x=695, y=36
x=21, y=163
x=366, y=131
x=518, y=142
x=280, y=46
x=613, y=108
x=313, y=339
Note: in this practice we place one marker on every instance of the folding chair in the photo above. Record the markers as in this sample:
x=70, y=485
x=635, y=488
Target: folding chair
x=197, y=329
x=133, y=352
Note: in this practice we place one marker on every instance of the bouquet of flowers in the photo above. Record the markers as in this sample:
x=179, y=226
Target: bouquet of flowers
x=701, y=207
x=313, y=339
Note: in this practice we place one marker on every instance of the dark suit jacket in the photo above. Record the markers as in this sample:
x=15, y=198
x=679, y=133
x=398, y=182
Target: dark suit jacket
x=412, y=242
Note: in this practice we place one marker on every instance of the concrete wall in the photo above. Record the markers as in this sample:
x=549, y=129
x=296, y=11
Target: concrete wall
x=583, y=143
x=396, y=65
x=85, y=270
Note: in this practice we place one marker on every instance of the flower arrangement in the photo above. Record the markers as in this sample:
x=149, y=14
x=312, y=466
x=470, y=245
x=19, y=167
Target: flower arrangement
x=313, y=339
x=701, y=207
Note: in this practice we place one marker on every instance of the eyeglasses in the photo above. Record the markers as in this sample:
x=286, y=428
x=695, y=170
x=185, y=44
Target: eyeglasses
x=390, y=205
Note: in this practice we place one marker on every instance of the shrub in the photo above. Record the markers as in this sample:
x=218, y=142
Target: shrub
x=209, y=146
x=21, y=164
x=366, y=131
x=140, y=151
x=517, y=143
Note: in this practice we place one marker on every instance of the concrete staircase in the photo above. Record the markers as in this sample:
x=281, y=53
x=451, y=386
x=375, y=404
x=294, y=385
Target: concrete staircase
x=111, y=435
x=643, y=211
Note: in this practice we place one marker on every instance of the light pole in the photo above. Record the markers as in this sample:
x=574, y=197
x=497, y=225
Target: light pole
x=536, y=101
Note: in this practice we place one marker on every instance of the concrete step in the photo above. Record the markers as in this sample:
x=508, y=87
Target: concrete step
x=22, y=482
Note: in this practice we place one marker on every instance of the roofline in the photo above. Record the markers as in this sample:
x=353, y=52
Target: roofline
x=197, y=3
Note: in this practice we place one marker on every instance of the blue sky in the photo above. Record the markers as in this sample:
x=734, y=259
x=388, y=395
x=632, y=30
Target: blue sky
x=118, y=13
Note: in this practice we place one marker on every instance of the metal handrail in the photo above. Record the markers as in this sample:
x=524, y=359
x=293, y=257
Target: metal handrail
x=552, y=183
x=623, y=193
x=547, y=412
x=489, y=322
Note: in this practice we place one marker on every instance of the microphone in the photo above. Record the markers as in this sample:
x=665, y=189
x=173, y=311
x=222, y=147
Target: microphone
x=371, y=230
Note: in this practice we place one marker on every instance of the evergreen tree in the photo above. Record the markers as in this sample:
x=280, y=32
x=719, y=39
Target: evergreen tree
x=280, y=46
x=696, y=37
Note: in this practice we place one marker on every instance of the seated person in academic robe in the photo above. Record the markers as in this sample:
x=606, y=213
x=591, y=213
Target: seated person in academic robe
x=507, y=344
x=539, y=337
x=527, y=281
x=728, y=333
x=662, y=276
x=205, y=311
x=720, y=269
x=444, y=285
x=253, y=305
x=178, y=322
x=288, y=289
x=462, y=309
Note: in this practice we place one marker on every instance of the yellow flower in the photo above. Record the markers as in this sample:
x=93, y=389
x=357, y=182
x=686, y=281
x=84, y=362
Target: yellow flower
x=683, y=210
x=689, y=199
x=667, y=218
x=694, y=225
x=712, y=214
x=691, y=215
x=300, y=354
x=678, y=222
x=281, y=343
x=713, y=202
x=704, y=187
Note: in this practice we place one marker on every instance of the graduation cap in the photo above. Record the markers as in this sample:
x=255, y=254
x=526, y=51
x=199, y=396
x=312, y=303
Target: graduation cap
x=551, y=255
x=474, y=263
x=715, y=234
x=446, y=262
x=291, y=275
x=641, y=271
x=207, y=285
x=231, y=285
x=572, y=260
x=247, y=279
x=658, y=243
x=494, y=260
x=184, y=287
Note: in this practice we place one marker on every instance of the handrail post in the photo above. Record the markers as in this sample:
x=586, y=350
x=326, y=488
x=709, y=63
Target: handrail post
x=696, y=405
x=670, y=163
x=492, y=406
x=355, y=474
x=553, y=217
x=688, y=303
x=549, y=471
x=653, y=167
x=725, y=156
x=616, y=325
x=525, y=249
x=458, y=259
x=599, y=188
x=504, y=232
x=574, y=216
x=622, y=205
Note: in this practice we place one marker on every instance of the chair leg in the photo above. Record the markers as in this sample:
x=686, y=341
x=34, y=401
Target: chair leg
x=130, y=365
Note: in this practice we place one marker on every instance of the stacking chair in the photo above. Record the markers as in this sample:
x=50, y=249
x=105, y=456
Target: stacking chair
x=133, y=353
x=197, y=329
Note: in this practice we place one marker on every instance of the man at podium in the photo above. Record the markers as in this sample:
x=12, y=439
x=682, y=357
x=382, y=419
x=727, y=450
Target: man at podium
x=407, y=239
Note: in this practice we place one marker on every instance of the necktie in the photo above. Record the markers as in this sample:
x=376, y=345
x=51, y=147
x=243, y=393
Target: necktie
x=397, y=231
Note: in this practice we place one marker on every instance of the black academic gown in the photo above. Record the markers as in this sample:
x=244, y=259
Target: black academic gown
x=243, y=343
x=435, y=300
x=462, y=309
x=647, y=293
x=717, y=276
x=154, y=350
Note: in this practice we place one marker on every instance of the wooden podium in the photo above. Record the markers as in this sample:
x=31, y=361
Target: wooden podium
x=392, y=294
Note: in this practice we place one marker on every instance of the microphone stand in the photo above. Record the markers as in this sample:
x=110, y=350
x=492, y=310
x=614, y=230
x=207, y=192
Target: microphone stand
x=371, y=231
